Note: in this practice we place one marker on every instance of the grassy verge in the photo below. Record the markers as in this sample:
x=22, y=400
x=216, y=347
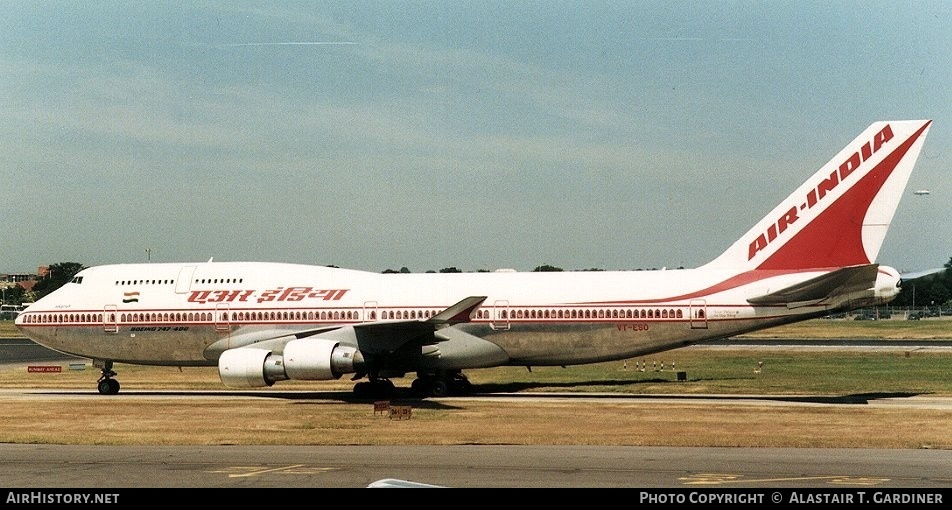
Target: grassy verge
x=315, y=421
x=892, y=329
x=8, y=329
x=705, y=370
x=838, y=388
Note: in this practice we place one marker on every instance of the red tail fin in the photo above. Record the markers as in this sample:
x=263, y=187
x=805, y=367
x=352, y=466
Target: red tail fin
x=838, y=217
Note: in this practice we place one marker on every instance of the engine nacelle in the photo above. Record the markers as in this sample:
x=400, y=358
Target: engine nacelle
x=319, y=360
x=306, y=359
x=245, y=367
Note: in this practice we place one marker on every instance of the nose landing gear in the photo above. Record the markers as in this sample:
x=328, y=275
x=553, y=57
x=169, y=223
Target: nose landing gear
x=107, y=385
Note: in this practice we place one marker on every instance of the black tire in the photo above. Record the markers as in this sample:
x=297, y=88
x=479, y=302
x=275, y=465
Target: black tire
x=104, y=387
x=420, y=387
x=439, y=388
x=462, y=386
x=384, y=388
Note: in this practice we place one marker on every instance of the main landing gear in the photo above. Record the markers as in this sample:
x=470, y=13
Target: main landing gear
x=441, y=384
x=108, y=385
x=376, y=388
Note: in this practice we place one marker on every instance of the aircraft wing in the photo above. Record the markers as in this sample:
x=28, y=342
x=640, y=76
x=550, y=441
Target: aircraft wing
x=388, y=336
x=840, y=282
x=370, y=337
x=460, y=312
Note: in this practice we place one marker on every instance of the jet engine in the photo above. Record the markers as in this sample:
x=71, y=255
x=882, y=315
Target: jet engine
x=312, y=359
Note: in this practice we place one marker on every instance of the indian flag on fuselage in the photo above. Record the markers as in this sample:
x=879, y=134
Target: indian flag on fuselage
x=130, y=297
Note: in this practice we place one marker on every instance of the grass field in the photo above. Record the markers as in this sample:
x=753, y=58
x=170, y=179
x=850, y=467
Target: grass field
x=834, y=391
x=892, y=329
x=837, y=385
x=706, y=371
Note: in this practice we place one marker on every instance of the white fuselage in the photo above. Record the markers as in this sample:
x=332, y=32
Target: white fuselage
x=169, y=314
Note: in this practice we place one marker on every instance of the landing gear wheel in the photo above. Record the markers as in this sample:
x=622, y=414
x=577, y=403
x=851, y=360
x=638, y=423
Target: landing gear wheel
x=439, y=388
x=384, y=388
x=441, y=384
x=420, y=387
x=380, y=388
x=362, y=390
x=108, y=386
x=461, y=385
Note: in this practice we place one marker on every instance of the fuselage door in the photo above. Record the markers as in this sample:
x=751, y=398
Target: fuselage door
x=110, y=319
x=500, y=315
x=698, y=313
x=184, y=280
x=222, y=317
x=370, y=311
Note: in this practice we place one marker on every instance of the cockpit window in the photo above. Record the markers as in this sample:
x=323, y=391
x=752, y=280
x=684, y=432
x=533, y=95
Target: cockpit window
x=77, y=279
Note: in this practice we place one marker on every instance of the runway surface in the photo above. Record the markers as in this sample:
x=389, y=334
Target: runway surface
x=47, y=466
x=24, y=466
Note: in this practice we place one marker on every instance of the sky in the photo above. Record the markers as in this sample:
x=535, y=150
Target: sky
x=471, y=134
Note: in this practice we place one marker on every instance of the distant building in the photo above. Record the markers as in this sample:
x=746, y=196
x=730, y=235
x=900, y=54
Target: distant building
x=24, y=280
x=13, y=278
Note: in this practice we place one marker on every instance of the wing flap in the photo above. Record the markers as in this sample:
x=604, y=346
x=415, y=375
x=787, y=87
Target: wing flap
x=843, y=281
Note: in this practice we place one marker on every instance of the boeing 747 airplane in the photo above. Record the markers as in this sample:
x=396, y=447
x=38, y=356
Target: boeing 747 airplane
x=261, y=323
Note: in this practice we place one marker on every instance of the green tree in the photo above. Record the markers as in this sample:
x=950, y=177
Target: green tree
x=946, y=275
x=13, y=295
x=58, y=275
x=545, y=268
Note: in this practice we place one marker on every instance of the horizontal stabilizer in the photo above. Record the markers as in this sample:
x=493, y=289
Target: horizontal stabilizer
x=921, y=274
x=840, y=282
